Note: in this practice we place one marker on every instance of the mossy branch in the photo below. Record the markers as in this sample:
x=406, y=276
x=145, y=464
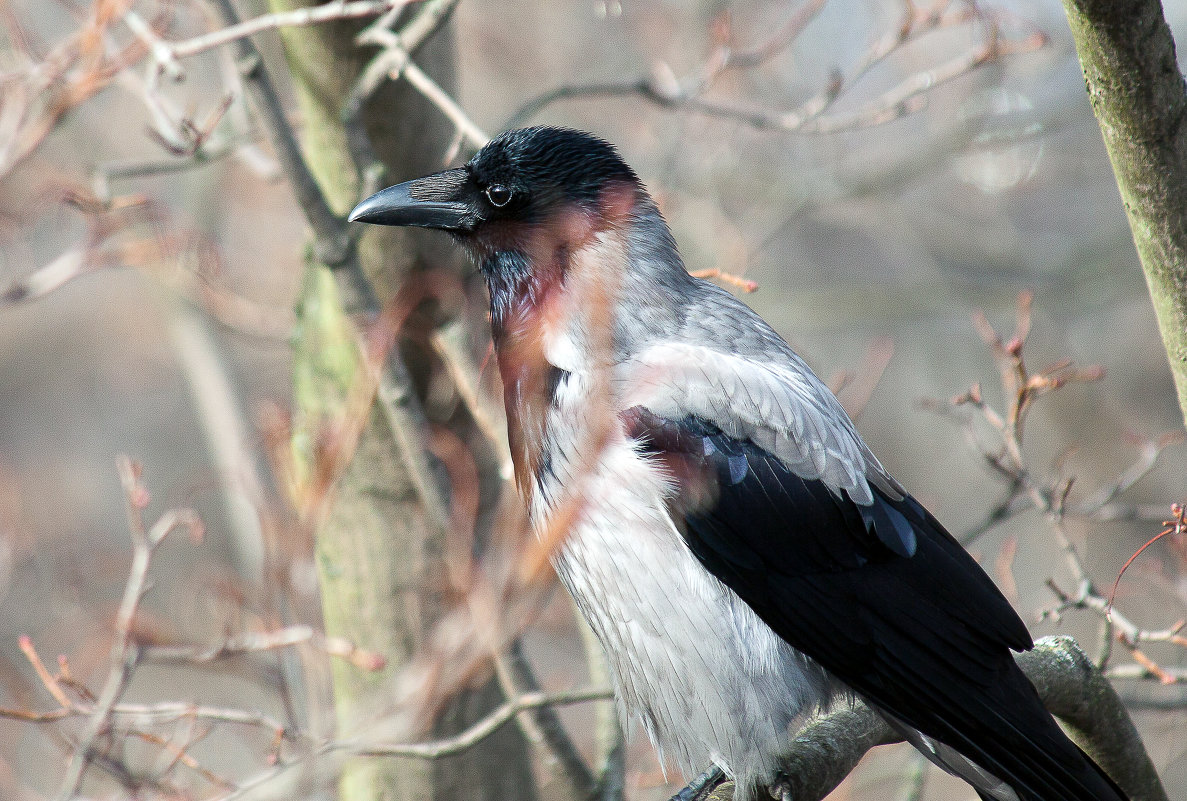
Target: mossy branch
x=1132, y=76
x=1071, y=687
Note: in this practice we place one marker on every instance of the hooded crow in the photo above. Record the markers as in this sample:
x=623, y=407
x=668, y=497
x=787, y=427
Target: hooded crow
x=738, y=549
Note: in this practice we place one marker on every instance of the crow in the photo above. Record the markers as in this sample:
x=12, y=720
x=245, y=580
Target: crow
x=740, y=552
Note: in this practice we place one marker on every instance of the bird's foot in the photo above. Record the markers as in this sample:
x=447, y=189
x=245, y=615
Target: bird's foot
x=700, y=787
x=780, y=789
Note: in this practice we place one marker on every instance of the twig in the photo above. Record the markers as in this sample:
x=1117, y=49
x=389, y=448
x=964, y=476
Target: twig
x=226, y=429
x=441, y=99
x=393, y=61
x=37, y=96
x=44, y=280
x=451, y=341
x=1176, y=526
x=312, y=15
x=663, y=88
x=1122, y=629
x=541, y=725
x=776, y=43
x=729, y=279
x=1021, y=388
x=854, y=392
x=474, y=734
x=160, y=713
x=332, y=245
x=405, y=416
x=1151, y=450
x=53, y=716
x=265, y=641
x=1138, y=670
x=179, y=755
x=124, y=654
x=431, y=750
x=210, y=152
x=47, y=681
x=165, y=257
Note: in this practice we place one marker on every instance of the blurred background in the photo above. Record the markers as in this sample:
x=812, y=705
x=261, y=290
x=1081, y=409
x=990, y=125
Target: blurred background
x=871, y=248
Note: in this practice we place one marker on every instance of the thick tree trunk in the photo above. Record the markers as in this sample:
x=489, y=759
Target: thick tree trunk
x=377, y=548
x=1137, y=92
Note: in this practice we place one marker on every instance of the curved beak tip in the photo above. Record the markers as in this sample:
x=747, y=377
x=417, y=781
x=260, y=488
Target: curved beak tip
x=361, y=211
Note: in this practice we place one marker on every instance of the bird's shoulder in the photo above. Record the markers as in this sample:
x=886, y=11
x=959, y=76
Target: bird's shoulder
x=724, y=365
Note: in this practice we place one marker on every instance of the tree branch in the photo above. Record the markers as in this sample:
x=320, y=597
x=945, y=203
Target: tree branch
x=297, y=17
x=1132, y=76
x=476, y=733
x=1072, y=689
x=335, y=248
x=663, y=88
x=332, y=245
x=124, y=654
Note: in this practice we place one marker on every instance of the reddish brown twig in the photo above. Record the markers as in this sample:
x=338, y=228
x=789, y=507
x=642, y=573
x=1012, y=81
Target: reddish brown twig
x=1175, y=526
x=1021, y=388
x=727, y=278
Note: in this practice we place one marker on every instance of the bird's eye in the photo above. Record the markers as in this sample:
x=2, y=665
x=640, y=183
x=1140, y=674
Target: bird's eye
x=498, y=195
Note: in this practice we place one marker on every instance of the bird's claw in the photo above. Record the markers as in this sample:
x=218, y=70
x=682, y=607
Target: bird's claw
x=700, y=787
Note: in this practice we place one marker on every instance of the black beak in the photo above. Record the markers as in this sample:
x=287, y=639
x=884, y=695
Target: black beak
x=443, y=200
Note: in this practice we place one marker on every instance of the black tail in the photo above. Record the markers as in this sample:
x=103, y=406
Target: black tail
x=1021, y=744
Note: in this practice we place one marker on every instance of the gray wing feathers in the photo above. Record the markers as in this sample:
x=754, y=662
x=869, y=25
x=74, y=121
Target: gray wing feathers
x=777, y=402
x=952, y=761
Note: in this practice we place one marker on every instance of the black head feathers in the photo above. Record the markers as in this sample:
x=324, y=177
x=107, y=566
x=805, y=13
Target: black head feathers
x=553, y=163
x=521, y=176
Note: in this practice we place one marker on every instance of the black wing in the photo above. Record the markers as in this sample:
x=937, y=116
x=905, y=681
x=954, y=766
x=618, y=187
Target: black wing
x=880, y=595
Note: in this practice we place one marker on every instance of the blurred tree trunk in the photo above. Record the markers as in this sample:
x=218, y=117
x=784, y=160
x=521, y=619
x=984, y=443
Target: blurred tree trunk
x=377, y=550
x=1137, y=92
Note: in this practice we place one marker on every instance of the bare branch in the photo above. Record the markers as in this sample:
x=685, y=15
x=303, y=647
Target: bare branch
x=1021, y=388
x=475, y=733
x=727, y=278
x=311, y=15
x=661, y=87
x=1151, y=450
x=37, y=94
x=1120, y=628
x=264, y=641
x=541, y=724
x=395, y=60
x=47, y=680
x=441, y=99
x=45, y=280
x=332, y=245
x=124, y=654
x=451, y=341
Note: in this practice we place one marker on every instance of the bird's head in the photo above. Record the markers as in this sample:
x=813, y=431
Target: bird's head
x=521, y=183
x=562, y=229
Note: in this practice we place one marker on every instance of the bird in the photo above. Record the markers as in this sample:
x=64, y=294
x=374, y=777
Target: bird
x=738, y=549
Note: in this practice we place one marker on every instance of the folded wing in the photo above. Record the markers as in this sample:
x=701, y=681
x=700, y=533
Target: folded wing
x=778, y=497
